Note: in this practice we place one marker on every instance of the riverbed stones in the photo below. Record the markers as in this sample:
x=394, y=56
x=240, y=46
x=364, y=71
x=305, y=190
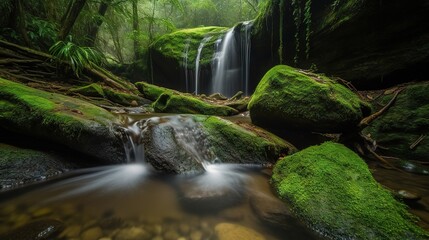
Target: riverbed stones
x=294, y=99
x=229, y=231
x=39, y=229
x=133, y=233
x=331, y=188
x=92, y=233
x=74, y=123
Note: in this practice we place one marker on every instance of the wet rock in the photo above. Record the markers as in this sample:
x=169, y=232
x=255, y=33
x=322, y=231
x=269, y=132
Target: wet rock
x=37, y=230
x=134, y=103
x=218, y=96
x=407, y=196
x=232, y=214
x=184, y=229
x=271, y=211
x=111, y=223
x=290, y=98
x=171, y=235
x=72, y=231
x=228, y=231
x=133, y=233
x=42, y=212
x=196, y=235
x=206, y=197
x=92, y=233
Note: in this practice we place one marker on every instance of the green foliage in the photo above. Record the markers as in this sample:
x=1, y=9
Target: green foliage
x=78, y=57
x=41, y=31
x=331, y=188
x=302, y=20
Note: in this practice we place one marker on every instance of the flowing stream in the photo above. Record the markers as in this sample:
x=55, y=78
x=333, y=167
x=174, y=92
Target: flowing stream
x=132, y=201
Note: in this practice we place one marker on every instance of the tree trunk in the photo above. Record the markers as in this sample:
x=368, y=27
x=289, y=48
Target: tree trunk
x=21, y=24
x=136, y=31
x=70, y=18
x=95, y=27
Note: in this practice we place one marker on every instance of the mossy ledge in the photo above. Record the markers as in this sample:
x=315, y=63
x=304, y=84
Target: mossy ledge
x=68, y=121
x=332, y=190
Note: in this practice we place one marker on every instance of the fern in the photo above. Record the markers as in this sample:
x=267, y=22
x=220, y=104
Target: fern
x=78, y=57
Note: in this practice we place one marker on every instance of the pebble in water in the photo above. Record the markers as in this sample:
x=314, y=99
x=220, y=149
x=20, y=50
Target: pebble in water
x=228, y=231
x=92, y=233
x=133, y=233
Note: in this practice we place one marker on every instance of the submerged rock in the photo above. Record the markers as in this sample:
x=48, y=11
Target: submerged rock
x=229, y=231
x=183, y=144
x=404, y=129
x=68, y=121
x=333, y=191
x=37, y=230
x=290, y=98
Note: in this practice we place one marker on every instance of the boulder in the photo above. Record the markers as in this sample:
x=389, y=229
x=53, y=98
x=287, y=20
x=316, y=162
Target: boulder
x=332, y=190
x=291, y=98
x=184, y=143
x=74, y=123
x=404, y=129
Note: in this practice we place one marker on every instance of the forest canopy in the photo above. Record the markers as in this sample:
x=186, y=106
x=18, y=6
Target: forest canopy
x=120, y=29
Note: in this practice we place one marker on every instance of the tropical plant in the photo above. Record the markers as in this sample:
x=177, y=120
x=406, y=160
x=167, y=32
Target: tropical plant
x=78, y=57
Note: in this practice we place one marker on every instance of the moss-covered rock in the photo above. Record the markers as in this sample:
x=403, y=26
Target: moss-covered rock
x=404, y=124
x=186, y=143
x=181, y=103
x=152, y=92
x=61, y=119
x=97, y=90
x=332, y=190
x=233, y=143
x=168, y=54
x=290, y=98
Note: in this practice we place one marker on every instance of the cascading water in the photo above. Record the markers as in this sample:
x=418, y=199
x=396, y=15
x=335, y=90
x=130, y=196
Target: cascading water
x=185, y=62
x=224, y=66
x=197, y=62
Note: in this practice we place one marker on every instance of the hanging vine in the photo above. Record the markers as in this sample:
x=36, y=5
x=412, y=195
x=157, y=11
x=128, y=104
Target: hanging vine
x=280, y=50
x=297, y=19
x=307, y=23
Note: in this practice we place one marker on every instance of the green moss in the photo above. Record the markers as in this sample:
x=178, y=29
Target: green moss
x=332, y=190
x=92, y=90
x=152, y=92
x=173, y=45
x=341, y=12
x=265, y=147
x=290, y=97
x=404, y=123
x=180, y=103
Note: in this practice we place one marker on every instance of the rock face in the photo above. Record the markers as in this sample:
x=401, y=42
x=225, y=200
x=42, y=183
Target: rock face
x=351, y=39
x=404, y=128
x=182, y=144
x=71, y=122
x=290, y=98
x=333, y=191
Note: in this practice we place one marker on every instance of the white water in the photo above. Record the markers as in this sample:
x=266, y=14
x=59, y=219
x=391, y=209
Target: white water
x=197, y=62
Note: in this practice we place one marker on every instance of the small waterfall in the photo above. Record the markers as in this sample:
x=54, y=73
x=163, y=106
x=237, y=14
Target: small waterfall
x=132, y=140
x=197, y=61
x=185, y=62
x=245, y=53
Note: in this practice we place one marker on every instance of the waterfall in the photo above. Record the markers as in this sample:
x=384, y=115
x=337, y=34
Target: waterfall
x=185, y=61
x=224, y=70
x=197, y=61
x=132, y=140
x=231, y=61
x=245, y=53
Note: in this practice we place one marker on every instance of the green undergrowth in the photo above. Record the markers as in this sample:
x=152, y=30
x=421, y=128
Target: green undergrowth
x=332, y=190
x=174, y=45
x=404, y=123
x=265, y=147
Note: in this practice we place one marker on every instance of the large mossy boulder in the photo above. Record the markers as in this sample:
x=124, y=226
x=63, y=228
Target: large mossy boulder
x=290, y=98
x=64, y=120
x=404, y=129
x=187, y=143
x=172, y=53
x=351, y=39
x=332, y=190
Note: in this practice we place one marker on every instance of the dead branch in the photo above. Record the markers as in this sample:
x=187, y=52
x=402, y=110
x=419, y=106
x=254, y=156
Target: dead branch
x=366, y=121
x=417, y=142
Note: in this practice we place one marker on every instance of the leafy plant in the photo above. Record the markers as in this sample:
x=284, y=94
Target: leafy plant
x=42, y=31
x=78, y=57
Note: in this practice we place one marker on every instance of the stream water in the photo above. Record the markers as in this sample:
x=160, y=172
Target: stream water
x=132, y=201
